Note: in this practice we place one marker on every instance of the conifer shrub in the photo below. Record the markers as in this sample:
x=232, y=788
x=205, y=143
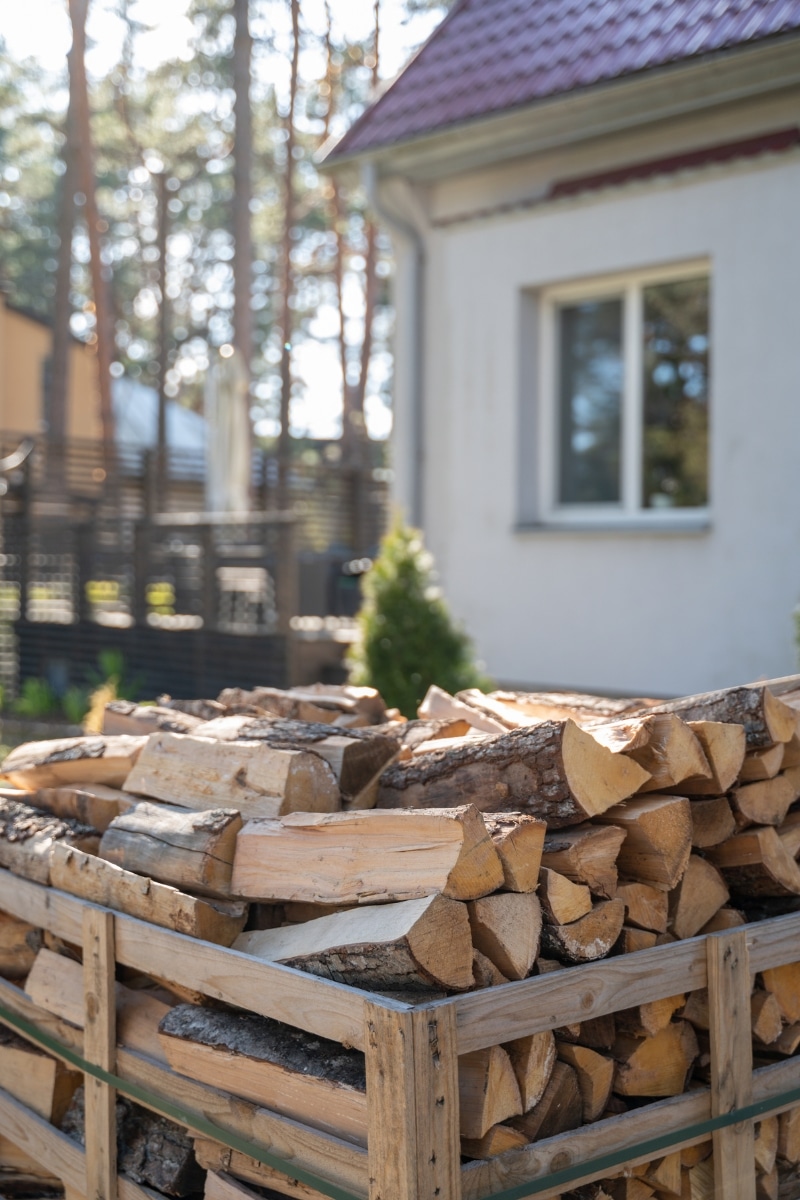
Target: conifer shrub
x=408, y=640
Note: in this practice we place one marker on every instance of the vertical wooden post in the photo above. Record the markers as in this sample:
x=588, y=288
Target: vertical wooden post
x=731, y=1063
x=99, y=1048
x=412, y=1104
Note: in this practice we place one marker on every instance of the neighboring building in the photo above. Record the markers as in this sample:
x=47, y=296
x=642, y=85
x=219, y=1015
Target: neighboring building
x=25, y=347
x=597, y=214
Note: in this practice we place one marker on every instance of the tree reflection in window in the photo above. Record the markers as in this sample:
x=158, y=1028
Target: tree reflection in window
x=675, y=395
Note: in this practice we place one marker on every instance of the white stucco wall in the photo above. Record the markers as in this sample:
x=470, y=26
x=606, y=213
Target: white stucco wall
x=641, y=612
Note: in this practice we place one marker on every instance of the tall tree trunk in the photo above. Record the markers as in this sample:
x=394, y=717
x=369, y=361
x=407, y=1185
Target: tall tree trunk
x=336, y=214
x=163, y=343
x=354, y=428
x=242, y=191
x=58, y=387
x=78, y=10
x=286, y=315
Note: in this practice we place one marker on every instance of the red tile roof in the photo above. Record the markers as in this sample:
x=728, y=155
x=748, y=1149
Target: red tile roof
x=489, y=56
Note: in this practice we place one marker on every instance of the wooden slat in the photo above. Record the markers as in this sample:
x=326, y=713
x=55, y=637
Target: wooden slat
x=319, y=1006
x=731, y=1063
x=100, y=1041
x=412, y=1090
x=65, y=1158
x=335, y=1160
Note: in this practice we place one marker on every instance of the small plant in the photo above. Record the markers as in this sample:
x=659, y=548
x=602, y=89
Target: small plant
x=74, y=703
x=38, y=700
x=408, y=638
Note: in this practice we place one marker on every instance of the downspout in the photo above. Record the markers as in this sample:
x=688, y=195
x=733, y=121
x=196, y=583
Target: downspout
x=409, y=231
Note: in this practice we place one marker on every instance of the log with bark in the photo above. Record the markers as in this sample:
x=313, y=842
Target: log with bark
x=663, y=745
x=367, y=857
x=259, y=781
x=326, y=703
x=93, y=759
x=355, y=755
x=553, y=770
x=764, y=717
x=104, y=883
x=413, y=944
x=177, y=846
x=519, y=708
x=150, y=1149
x=123, y=716
x=92, y=804
x=588, y=938
x=27, y=836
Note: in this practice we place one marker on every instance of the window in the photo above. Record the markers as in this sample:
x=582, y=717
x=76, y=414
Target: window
x=625, y=384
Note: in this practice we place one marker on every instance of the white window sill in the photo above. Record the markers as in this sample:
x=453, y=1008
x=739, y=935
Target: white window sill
x=643, y=525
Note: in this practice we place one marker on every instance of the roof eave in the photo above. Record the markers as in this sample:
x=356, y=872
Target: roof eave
x=609, y=107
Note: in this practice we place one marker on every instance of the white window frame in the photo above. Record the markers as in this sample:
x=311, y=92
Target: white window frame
x=628, y=511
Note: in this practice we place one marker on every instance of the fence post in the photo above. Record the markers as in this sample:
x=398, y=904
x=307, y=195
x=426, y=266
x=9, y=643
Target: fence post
x=412, y=1104
x=83, y=572
x=731, y=1063
x=99, y=1048
x=141, y=563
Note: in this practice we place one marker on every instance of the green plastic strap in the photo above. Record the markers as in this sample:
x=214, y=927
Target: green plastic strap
x=173, y=1111
x=594, y=1167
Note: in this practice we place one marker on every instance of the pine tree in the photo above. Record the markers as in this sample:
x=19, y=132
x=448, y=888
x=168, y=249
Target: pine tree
x=408, y=638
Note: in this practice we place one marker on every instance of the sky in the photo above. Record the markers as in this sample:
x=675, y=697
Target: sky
x=40, y=29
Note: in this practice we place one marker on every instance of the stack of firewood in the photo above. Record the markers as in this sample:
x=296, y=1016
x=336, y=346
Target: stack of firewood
x=494, y=838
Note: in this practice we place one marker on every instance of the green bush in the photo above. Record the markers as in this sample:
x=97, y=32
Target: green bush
x=408, y=639
x=38, y=700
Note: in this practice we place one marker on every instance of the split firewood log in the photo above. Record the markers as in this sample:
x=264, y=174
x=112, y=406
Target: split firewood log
x=755, y=863
x=700, y=893
x=19, y=943
x=150, y=1149
x=713, y=822
x=517, y=707
x=663, y=745
x=789, y=1135
x=598, y=1033
x=41, y=1082
x=726, y=918
x=595, y=1075
x=764, y=803
x=632, y=939
x=658, y=838
x=92, y=804
x=765, y=718
x=788, y=1041
x=314, y=702
x=562, y=900
x=416, y=943
x=560, y=1108
x=495, y=1141
x=27, y=836
x=765, y=1018
x=648, y=1019
x=724, y=746
x=91, y=759
x=355, y=755
x=506, y=927
x=189, y=850
x=533, y=1059
x=664, y=1175
x=259, y=781
x=586, y=854
x=484, y=972
x=438, y=705
x=645, y=905
x=367, y=857
x=519, y=840
x=589, y=937
x=763, y=764
x=105, y=883
x=227, y=1168
x=784, y=984
x=766, y=1144
x=789, y=833
x=768, y=1185
x=553, y=770
x=655, y=1066
x=204, y=710
x=488, y=1091
x=140, y=720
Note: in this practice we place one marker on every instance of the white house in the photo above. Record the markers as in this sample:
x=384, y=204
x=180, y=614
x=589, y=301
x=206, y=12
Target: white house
x=596, y=207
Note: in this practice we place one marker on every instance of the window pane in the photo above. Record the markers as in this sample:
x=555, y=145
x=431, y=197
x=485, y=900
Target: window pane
x=590, y=402
x=675, y=466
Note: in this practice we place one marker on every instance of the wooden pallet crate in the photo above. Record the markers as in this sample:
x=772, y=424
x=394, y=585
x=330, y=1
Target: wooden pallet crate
x=413, y=1147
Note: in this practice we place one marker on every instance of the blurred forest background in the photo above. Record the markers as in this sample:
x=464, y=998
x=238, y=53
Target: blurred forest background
x=163, y=213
